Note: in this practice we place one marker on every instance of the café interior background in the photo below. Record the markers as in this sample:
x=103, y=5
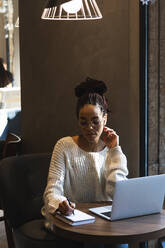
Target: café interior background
x=53, y=56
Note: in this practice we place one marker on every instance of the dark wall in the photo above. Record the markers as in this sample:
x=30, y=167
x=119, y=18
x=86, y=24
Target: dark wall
x=55, y=56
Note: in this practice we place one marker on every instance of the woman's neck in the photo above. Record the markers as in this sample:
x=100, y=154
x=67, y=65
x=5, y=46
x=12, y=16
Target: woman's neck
x=89, y=146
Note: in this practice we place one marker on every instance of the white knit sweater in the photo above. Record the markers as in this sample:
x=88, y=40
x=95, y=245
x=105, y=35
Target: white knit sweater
x=82, y=176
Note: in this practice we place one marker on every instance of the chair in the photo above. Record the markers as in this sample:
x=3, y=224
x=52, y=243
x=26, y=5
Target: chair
x=22, y=182
x=161, y=243
x=9, y=147
x=2, y=143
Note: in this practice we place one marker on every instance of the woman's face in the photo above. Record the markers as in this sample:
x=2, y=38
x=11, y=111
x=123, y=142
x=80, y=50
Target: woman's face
x=91, y=122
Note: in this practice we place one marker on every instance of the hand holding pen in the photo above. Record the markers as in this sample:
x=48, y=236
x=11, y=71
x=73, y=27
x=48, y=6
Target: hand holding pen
x=72, y=205
x=66, y=207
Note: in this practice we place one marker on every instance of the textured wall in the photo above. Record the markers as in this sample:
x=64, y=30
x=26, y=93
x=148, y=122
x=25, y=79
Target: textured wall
x=162, y=87
x=157, y=88
x=55, y=56
x=153, y=88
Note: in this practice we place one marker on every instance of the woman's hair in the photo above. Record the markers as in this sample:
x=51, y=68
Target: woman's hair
x=92, y=92
x=5, y=76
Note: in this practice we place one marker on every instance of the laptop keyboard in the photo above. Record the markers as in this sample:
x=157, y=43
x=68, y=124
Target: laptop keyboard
x=108, y=214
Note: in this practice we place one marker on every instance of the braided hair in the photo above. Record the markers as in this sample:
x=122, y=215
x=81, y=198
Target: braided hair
x=92, y=92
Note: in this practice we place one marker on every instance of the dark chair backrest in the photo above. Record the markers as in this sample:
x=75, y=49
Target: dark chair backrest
x=12, y=145
x=22, y=182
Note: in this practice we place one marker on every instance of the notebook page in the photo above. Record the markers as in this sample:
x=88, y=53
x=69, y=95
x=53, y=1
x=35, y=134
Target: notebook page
x=79, y=216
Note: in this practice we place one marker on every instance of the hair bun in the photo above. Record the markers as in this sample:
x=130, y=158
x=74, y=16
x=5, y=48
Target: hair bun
x=90, y=86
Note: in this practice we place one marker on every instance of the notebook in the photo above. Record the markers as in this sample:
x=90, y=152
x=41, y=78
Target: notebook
x=78, y=218
x=135, y=197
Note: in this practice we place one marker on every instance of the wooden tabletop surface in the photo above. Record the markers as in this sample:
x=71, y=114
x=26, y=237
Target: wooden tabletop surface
x=130, y=230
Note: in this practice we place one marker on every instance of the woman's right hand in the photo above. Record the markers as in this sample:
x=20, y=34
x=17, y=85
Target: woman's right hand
x=65, y=208
x=110, y=138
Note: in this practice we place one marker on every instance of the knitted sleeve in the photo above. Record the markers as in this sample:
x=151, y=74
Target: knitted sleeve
x=54, y=192
x=116, y=169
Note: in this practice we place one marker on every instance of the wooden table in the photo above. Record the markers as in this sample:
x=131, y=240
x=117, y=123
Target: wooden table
x=132, y=230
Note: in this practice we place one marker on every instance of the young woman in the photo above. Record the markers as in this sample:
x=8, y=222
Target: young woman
x=84, y=168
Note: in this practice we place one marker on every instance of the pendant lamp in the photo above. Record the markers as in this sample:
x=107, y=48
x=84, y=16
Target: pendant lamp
x=71, y=10
x=146, y=2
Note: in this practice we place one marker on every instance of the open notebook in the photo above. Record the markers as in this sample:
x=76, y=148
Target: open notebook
x=78, y=218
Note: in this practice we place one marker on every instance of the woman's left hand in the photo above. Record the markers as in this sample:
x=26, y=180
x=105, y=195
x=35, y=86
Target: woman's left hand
x=110, y=138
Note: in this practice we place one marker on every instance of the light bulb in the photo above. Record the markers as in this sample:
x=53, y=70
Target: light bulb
x=72, y=7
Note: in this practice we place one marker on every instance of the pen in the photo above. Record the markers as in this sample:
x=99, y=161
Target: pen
x=70, y=205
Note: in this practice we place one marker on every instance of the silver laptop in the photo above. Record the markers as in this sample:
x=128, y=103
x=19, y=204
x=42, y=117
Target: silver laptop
x=135, y=197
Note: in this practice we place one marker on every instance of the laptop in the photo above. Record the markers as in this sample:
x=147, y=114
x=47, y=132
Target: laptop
x=135, y=197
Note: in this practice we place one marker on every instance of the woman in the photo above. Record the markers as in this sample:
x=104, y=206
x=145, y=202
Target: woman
x=84, y=168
